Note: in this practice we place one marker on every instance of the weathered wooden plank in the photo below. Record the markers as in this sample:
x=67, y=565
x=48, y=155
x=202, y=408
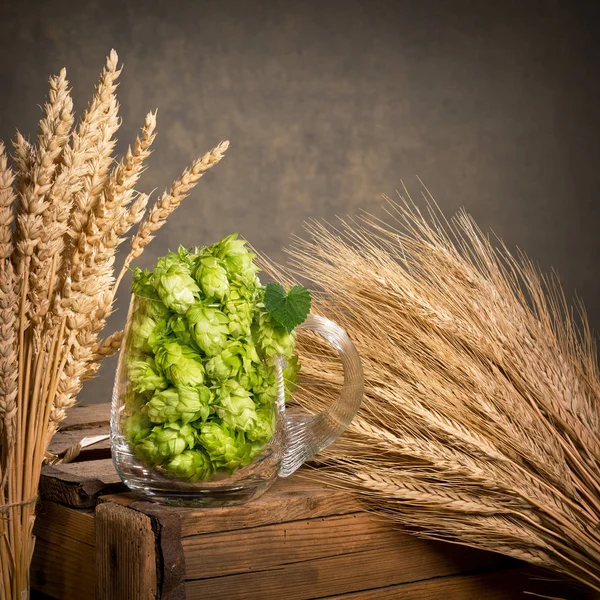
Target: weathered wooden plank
x=262, y=548
x=289, y=499
x=64, y=569
x=126, y=567
x=64, y=440
x=79, y=484
x=54, y=522
x=81, y=417
x=171, y=560
x=377, y=567
x=509, y=584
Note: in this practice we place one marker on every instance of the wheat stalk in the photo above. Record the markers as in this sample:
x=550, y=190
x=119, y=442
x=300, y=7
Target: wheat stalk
x=64, y=211
x=168, y=202
x=480, y=419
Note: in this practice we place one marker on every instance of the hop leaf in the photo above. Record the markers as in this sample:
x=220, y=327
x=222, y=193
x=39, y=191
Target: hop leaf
x=287, y=310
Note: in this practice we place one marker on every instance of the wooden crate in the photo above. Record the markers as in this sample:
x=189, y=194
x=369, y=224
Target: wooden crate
x=298, y=541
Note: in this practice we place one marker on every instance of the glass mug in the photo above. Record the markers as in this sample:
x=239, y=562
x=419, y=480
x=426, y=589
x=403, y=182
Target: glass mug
x=295, y=438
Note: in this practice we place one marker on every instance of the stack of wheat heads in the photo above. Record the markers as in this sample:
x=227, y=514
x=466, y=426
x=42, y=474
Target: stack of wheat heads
x=480, y=421
x=65, y=207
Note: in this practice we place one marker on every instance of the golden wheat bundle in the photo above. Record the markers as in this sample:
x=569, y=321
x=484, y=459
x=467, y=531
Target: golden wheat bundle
x=65, y=207
x=480, y=419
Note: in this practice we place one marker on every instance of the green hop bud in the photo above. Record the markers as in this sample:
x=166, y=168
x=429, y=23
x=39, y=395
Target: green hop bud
x=142, y=327
x=137, y=427
x=290, y=374
x=145, y=376
x=174, y=284
x=179, y=326
x=272, y=339
x=240, y=313
x=227, y=364
x=236, y=257
x=235, y=406
x=160, y=335
x=208, y=328
x=148, y=449
x=183, y=404
x=142, y=284
x=263, y=426
x=173, y=438
x=226, y=449
x=181, y=364
x=192, y=465
x=266, y=388
x=156, y=310
x=250, y=357
x=212, y=277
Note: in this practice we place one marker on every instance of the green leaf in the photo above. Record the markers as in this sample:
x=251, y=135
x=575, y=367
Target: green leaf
x=287, y=310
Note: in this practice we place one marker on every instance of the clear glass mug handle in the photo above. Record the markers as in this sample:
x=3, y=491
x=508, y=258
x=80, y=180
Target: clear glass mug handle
x=307, y=435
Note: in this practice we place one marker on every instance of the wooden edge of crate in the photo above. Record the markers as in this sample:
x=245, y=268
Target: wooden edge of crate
x=79, y=484
x=126, y=557
x=290, y=499
x=82, y=417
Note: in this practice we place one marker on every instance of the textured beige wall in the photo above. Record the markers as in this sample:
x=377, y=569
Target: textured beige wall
x=330, y=104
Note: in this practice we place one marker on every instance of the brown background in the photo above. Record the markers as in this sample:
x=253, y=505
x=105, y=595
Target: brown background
x=330, y=104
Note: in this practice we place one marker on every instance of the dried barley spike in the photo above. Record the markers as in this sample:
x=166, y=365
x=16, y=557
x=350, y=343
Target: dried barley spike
x=479, y=423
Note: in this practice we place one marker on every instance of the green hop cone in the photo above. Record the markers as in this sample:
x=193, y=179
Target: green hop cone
x=227, y=364
x=145, y=376
x=235, y=256
x=272, y=339
x=159, y=335
x=180, y=363
x=266, y=387
x=290, y=374
x=192, y=465
x=171, y=439
x=235, y=406
x=137, y=427
x=212, y=277
x=142, y=327
x=178, y=325
x=148, y=449
x=142, y=284
x=226, y=448
x=240, y=312
x=183, y=404
x=262, y=428
x=156, y=310
x=208, y=327
x=174, y=283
